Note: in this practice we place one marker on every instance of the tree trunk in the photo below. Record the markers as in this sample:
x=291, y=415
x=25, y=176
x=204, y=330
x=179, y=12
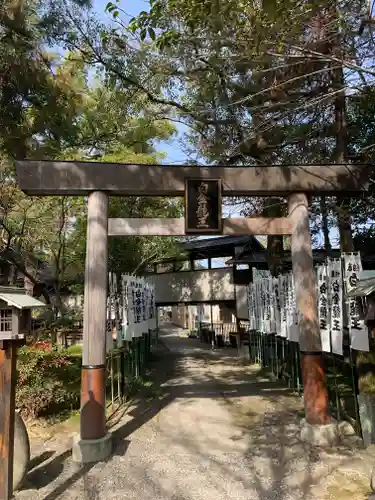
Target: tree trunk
x=59, y=306
x=327, y=242
x=5, y=273
x=345, y=228
x=27, y=281
x=272, y=206
x=343, y=204
x=341, y=151
x=275, y=244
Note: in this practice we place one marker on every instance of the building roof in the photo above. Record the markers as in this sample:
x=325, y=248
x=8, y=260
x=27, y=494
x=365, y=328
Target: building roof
x=319, y=255
x=220, y=246
x=218, y=241
x=365, y=285
x=16, y=297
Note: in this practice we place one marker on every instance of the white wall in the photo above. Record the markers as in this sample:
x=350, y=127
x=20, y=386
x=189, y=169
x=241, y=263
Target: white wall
x=73, y=302
x=184, y=315
x=241, y=302
x=193, y=286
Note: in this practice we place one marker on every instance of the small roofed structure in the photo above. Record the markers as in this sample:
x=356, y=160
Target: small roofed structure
x=15, y=312
x=365, y=285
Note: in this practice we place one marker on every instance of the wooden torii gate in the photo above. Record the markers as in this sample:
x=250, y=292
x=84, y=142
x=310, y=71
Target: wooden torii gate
x=98, y=181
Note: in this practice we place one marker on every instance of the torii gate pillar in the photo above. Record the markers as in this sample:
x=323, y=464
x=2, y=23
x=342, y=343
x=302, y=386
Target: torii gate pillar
x=315, y=390
x=94, y=442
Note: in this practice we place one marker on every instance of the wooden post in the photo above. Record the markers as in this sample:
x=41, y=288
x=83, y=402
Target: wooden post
x=314, y=380
x=93, y=420
x=8, y=358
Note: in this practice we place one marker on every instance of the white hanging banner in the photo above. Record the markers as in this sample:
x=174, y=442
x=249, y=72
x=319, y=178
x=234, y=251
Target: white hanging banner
x=110, y=313
x=135, y=310
x=125, y=316
x=262, y=305
x=272, y=302
x=255, y=309
x=336, y=305
x=283, y=288
x=252, y=306
x=295, y=312
x=267, y=302
x=293, y=331
x=117, y=307
x=259, y=300
x=288, y=303
x=129, y=334
x=256, y=304
x=144, y=314
x=276, y=306
x=357, y=328
x=323, y=307
x=151, y=307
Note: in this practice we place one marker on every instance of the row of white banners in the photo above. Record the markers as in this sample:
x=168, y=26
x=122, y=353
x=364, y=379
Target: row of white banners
x=273, y=309
x=131, y=306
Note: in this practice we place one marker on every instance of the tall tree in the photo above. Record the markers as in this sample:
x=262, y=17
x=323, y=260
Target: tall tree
x=256, y=81
x=55, y=109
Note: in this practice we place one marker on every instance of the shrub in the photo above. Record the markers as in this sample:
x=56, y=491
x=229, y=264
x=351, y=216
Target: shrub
x=48, y=381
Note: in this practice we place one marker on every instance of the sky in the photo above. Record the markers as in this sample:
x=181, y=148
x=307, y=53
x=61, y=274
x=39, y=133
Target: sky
x=172, y=148
x=133, y=7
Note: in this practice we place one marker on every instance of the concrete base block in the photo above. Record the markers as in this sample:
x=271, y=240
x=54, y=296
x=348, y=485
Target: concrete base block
x=372, y=480
x=320, y=435
x=346, y=429
x=86, y=451
x=21, y=458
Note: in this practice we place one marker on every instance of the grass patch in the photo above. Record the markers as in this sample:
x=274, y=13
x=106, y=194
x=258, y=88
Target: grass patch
x=75, y=350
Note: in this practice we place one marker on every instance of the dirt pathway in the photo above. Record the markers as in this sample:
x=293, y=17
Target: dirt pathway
x=214, y=431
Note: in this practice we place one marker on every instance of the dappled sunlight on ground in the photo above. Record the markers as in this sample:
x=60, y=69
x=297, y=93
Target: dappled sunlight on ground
x=213, y=429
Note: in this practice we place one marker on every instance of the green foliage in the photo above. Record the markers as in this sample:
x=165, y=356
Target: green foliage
x=128, y=255
x=52, y=106
x=37, y=101
x=255, y=82
x=48, y=381
x=259, y=82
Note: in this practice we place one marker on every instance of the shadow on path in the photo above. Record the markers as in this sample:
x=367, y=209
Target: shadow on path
x=220, y=427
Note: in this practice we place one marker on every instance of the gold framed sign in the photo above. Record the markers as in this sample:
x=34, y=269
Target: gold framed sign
x=203, y=206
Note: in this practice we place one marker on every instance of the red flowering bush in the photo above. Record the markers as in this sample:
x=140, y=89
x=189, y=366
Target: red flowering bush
x=48, y=380
x=41, y=345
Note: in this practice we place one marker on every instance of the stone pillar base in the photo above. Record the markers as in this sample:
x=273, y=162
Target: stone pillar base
x=86, y=451
x=320, y=435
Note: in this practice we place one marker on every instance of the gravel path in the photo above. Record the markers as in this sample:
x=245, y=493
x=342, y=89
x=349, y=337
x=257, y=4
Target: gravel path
x=215, y=431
